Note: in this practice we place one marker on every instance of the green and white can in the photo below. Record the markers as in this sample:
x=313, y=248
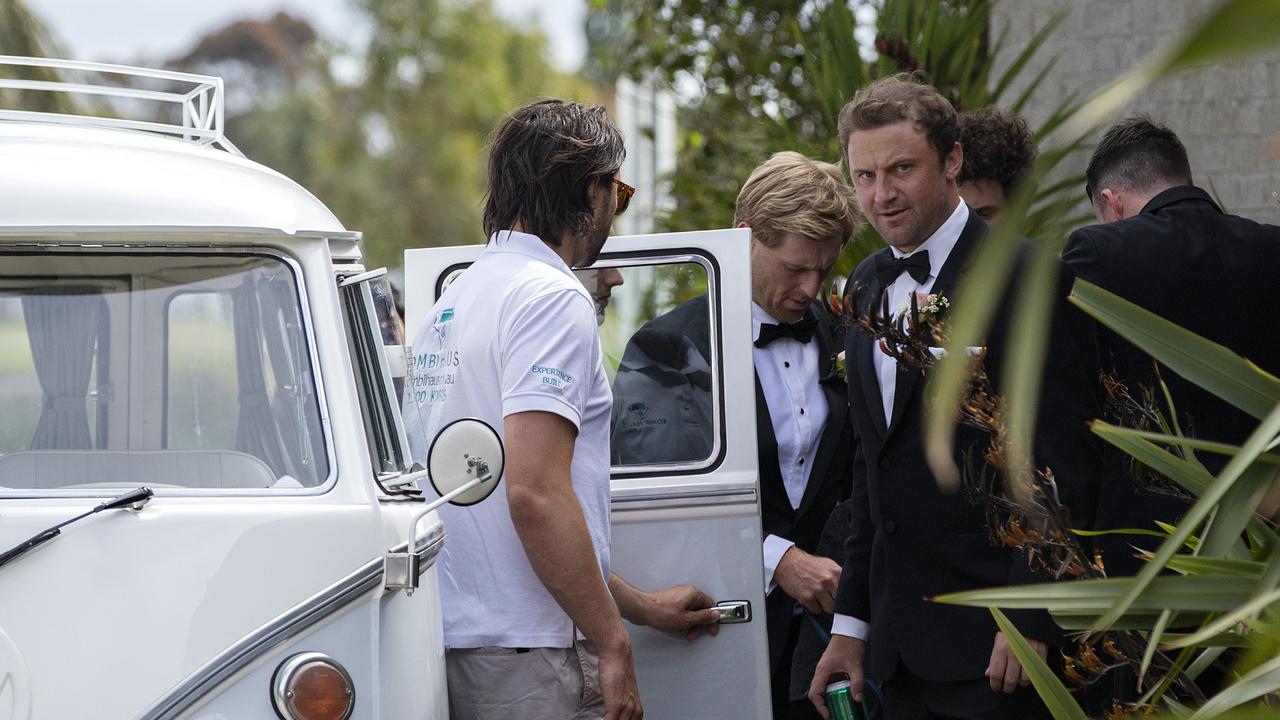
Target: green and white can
x=840, y=702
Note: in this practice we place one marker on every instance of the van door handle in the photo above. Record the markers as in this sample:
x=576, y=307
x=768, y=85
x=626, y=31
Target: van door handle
x=734, y=611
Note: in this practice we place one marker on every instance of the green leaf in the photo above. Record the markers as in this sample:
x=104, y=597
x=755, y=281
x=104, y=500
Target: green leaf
x=1025, y=365
x=1190, y=476
x=1252, y=685
x=1019, y=63
x=1254, y=446
x=1223, y=640
x=1224, y=623
x=1130, y=621
x=1193, y=565
x=1216, y=448
x=1120, y=531
x=1236, y=510
x=1204, y=593
x=1205, y=660
x=1153, y=644
x=969, y=320
x=1235, y=28
x=1203, y=362
x=1055, y=695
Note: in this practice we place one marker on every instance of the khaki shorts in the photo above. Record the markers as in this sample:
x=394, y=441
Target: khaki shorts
x=494, y=683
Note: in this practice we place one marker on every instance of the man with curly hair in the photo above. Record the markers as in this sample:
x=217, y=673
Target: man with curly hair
x=998, y=154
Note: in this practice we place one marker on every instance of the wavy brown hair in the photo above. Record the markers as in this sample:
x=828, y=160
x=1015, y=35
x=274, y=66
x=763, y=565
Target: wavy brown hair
x=543, y=160
x=896, y=98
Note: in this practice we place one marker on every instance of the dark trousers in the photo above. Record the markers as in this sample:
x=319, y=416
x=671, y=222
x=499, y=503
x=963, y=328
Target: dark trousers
x=908, y=697
x=780, y=682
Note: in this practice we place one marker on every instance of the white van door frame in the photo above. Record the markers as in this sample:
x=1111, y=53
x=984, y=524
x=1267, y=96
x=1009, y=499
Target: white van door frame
x=697, y=524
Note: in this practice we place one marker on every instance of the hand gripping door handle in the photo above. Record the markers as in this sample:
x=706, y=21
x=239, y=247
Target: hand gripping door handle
x=734, y=611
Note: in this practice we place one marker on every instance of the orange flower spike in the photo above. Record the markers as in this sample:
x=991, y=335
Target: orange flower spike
x=1069, y=671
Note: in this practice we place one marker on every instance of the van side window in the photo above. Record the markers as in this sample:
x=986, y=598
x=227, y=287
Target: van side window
x=169, y=369
x=659, y=349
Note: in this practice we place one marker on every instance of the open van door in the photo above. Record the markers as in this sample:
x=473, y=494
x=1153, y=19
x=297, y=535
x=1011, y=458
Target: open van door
x=676, y=339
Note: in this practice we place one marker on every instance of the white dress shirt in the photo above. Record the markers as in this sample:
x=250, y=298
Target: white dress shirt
x=788, y=372
x=939, y=245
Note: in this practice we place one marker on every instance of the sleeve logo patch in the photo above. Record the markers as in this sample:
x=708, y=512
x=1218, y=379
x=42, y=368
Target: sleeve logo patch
x=555, y=377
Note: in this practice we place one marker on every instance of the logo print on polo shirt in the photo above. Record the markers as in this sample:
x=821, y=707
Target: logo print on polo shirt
x=639, y=419
x=555, y=377
x=441, y=320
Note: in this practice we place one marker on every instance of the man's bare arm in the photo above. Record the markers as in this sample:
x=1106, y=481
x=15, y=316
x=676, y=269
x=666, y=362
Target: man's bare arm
x=548, y=519
x=677, y=609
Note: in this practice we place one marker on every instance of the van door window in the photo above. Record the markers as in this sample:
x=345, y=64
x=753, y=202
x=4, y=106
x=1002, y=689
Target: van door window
x=656, y=336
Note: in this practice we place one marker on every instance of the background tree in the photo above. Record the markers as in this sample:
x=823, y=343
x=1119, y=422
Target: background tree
x=758, y=77
x=22, y=33
x=391, y=137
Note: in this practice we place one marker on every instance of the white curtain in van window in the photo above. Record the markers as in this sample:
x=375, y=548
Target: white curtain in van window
x=257, y=432
x=63, y=331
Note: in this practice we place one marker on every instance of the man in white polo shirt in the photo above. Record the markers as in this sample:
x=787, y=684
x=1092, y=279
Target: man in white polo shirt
x=513, y=341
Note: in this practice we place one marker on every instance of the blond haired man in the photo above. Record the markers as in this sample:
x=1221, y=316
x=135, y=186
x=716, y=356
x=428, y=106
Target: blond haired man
x=801, y=212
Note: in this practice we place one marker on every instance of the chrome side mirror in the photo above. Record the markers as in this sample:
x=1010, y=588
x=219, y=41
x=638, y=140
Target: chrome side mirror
x=464, y=466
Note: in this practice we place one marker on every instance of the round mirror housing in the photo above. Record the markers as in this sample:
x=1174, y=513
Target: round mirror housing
x=463, y=451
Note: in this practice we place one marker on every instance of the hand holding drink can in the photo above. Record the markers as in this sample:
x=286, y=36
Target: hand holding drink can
x=840, y=702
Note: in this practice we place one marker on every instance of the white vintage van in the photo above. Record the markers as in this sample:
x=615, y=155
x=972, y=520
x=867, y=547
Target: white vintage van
x=176, y=317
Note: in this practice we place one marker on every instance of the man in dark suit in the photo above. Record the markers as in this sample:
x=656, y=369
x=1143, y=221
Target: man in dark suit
x=910, y=539
x=1162, y=243
x=801, y=213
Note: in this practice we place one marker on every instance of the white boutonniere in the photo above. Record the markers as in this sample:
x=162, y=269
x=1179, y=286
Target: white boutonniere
x=838, y=366
x=927, y=305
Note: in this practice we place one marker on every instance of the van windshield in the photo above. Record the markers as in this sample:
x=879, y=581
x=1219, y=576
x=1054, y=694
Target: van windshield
x=160, y=369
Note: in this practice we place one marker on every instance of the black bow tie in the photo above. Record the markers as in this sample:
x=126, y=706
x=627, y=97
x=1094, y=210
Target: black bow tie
x=889, y=268
x=801, y=330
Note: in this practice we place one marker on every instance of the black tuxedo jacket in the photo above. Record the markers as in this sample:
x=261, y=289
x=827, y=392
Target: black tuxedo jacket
x=829, y=475
x=910, y=540
x=1185, y=260
x=828, y=478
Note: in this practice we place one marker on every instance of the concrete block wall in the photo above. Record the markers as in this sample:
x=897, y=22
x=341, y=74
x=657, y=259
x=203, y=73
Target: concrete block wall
x=1227, y=115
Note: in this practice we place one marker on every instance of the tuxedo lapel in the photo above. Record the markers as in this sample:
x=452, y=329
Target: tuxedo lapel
x=862, y=348
x=773, y=490
x=837, y=414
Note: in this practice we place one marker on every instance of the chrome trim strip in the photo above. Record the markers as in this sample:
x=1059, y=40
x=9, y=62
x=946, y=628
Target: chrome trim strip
x=264, y=639
x=683, y=499
x=429, y=545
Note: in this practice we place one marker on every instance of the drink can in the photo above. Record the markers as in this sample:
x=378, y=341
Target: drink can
x=840, y=703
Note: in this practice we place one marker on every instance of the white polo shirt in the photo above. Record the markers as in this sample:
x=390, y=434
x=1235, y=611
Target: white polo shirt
x=515, y=332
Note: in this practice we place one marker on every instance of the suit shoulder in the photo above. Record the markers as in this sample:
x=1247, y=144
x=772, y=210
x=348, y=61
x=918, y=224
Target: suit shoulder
x=678, y=320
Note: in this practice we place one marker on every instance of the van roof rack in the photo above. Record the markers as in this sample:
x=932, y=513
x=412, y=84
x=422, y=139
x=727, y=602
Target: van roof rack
x=200, y=99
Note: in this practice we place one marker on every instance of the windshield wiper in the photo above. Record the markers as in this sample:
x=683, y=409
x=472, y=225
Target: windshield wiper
x=137, y=498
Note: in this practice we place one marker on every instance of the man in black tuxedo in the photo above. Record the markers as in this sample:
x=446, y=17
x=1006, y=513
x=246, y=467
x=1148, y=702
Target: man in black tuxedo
x=801, y=212
x=1163, y=244
x=910, y=539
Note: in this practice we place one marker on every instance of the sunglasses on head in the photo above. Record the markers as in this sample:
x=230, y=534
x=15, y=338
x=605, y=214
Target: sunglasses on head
x=625, y=192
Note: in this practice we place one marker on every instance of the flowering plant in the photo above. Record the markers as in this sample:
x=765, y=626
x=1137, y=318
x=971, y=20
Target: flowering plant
x=930, y=304
x=838, y=366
